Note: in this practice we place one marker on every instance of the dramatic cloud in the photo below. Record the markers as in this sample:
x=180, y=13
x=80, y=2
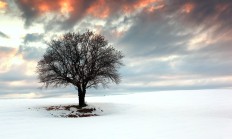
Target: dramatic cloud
x=155, y=35
x=65, y=14
x=168, y=44
x=183, y=45
x=72, y=11
x=213, y=14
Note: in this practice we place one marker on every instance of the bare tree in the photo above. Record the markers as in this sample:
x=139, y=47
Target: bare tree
x=83, y=60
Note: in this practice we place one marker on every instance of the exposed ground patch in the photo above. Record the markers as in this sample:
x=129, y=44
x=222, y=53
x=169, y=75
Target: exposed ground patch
x=72, y=111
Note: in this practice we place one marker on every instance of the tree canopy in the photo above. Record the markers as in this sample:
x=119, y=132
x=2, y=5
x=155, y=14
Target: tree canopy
x=83, y=60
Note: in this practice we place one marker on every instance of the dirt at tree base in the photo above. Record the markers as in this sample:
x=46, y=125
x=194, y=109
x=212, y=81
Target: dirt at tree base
x=72, y=111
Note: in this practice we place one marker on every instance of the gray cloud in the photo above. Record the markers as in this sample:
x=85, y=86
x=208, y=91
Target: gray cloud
x=155, y=35
x=33, y=37
x=3, y=35
x=31, y=53
x=161, y=34
x=206, y=63
x=15, y=74
x=15, y=80
x=213, y=13
x=4, y=49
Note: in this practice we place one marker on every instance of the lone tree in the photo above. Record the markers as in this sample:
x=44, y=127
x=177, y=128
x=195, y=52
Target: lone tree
x=83, y=60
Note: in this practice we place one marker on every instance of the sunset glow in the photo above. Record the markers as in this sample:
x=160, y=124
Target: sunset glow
x=145, y=3
x=140, y=5
x=3, y=5
x=168, y=44
x=43, y=8
x=153, y=8
x=16, y=60
x=66, y=7
x=100, y=9
x=188, y=8
x=9, y=59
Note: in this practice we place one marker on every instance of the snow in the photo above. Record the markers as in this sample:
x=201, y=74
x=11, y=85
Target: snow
x=156, y=115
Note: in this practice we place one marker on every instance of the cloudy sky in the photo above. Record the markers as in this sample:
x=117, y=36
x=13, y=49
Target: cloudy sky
x=168, y=44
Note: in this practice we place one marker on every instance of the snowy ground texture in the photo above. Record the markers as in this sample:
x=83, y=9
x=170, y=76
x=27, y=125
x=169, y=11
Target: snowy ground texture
x=158, y=115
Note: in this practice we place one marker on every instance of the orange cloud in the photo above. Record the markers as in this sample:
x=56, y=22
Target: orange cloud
x=157, y=7
x=104, y=8
x=66, y=6
x=144, y=3
x=43, y=6
x=3, y=4
x=140, y=4
x=97, y=8
x=188, y=8
x=76, y=10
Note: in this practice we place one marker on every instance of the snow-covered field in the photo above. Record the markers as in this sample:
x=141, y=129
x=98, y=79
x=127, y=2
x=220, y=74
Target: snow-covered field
x=158, y=115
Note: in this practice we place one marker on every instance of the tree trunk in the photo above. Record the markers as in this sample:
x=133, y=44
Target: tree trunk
x=81, y=94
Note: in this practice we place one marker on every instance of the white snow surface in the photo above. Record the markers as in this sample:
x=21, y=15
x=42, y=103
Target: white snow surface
x=156, y=115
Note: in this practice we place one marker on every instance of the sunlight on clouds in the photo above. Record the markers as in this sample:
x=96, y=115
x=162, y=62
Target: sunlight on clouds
x=206, y=37
x=138, y=61
x=99, y=9
x=17, y=83
x=168, y=58
x=168, y=44
x=188, y=8
x=13, y=59
x=16, y=60
x=122, y=26
x=13, y=27
x=199, y=41
x=23, y=83
x=4, y=67
x=155, y=7
x=174, y=77
x=43, y=8
x=31, y=68
x=138, y=5
x=9, y=59
x=175, y=81
x=196, y=41
x=66, y=7
x=24, y=96
x=62, y=6
x=3, y=6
